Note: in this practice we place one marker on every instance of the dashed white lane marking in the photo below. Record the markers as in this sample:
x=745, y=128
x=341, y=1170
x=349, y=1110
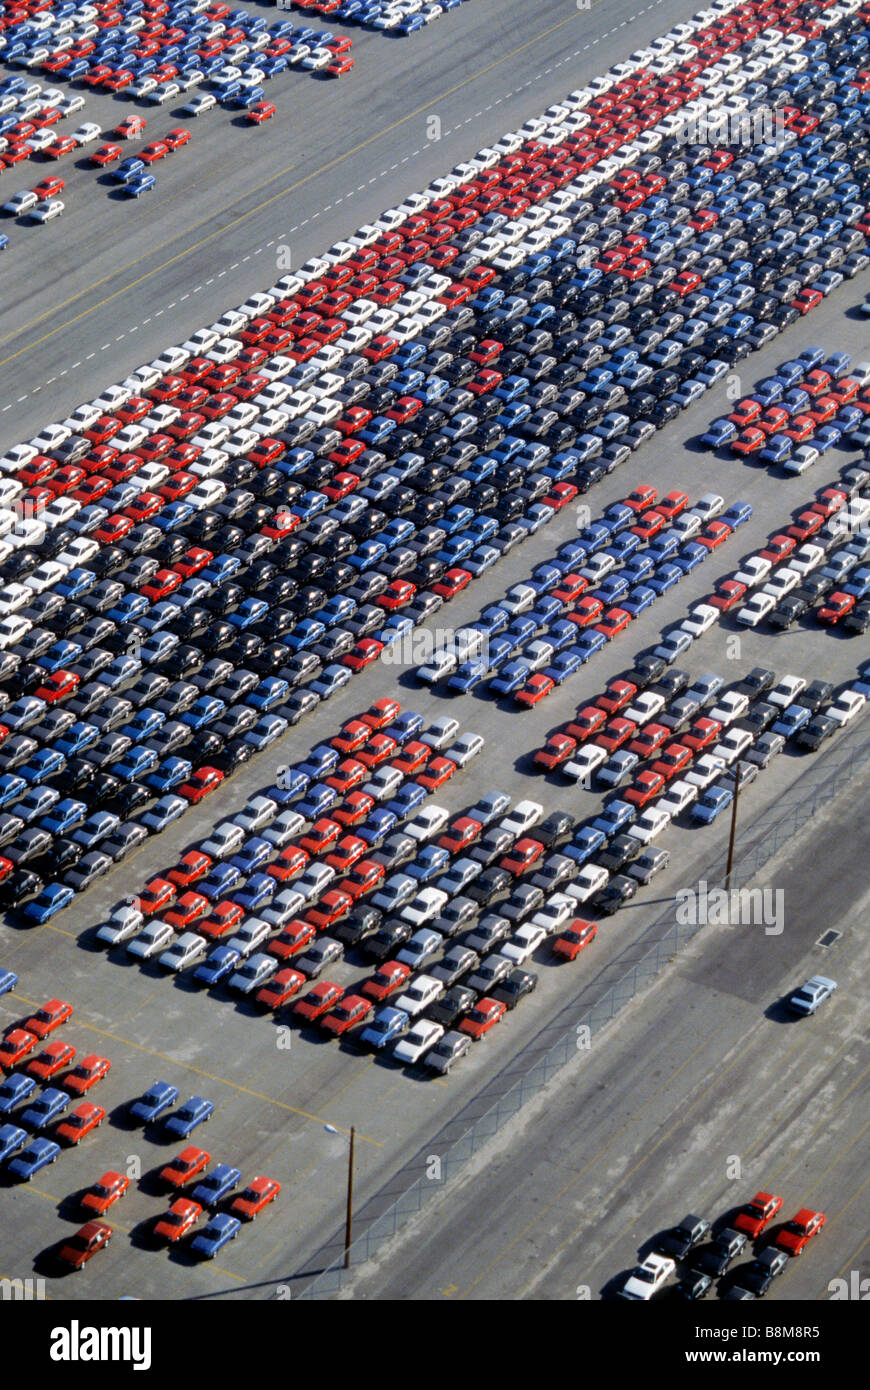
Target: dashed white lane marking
x=361, y=188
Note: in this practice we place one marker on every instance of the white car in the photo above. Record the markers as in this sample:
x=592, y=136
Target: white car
x=466, y=747
x=121, y=926
x=417, y=1040
x=679, y=797
x=441, y=732
x=559, y=909
x=649, y=823
x=733, y=746
x=185, y=951
x=807, y=558
x=259, y=812
x=224, y=840
x=645, y=707
x=47, y=210
x=587, y=762
x=87, y=133
x=753, y=571
x=522, y=818
x=705, y=771
x=21, y=202
x=151, y=940
x=590, y=879
x=701, y=618
x=759, y=607
x=427, y=823
x=425, y=905
x=647, y=1278
x=523, y=943
x=283, y=827
x=422, y=992
x=786, y=691
x=781, y=582
x=254, y=973
x=847, y=706
x=730, y=706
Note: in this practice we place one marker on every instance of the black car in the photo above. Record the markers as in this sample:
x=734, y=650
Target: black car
x=758, y=1277
x=451, y=1006
x=683, y=1238
x=515, y=987
x=489, y=885
x=716, y=1258
x=556, y=829
x=614, y=894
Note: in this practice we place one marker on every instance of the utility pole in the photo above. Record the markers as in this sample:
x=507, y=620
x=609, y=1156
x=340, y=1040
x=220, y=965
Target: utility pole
x=348, y=1227
x=733, y=834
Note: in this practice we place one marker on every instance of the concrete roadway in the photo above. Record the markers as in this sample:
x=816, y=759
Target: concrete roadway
x=86, y=301
x=693, y=1099
x=271, y=1103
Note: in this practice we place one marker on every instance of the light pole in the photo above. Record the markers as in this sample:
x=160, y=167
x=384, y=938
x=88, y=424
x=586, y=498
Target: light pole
x=733, y=835
x=348, y=1221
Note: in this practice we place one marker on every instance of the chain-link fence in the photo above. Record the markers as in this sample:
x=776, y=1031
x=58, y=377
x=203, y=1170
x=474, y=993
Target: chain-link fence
x=384, y=1215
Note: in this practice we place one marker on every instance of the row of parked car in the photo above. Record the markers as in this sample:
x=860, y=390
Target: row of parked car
x=682, y=1249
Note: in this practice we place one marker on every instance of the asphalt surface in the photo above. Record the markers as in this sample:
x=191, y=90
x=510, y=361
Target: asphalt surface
x=272, y=1102
x=76, y=316
x=702, y=1093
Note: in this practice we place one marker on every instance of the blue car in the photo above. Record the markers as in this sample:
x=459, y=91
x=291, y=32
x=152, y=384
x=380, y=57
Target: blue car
x=377, y=826
x=53, y=898
x=192, y=1113
x=511, y=678
x=586, y=842
x=791, y=720
x=11, y=1138
x=615, y=815
x=47, y=1108
x=720, y=432
x=664, y=578
x=141, y=183
x=429, y=863
x=253, y=854
x=777, y=449
x=639, y=599
x=259, y=890
x=407, y=800
x=221, y=1229
x=387, y=1025
x=711, y=804
x=156, y=1099
x=406, y=726
x=318, y=802
x=590, y=643
x=737, y=514
x=14, y=1090
x=690, y=556
x=37, y=1155
x=64, y=816
x=8, y=981
x=217, y=965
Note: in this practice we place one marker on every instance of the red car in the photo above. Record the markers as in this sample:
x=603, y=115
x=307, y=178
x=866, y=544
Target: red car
x=381, y=713
x=49, y=1017
x=452, y=583
x=109, y=1189
x=330, y=907
x=645, y=788
x=158, y=149
x=574, y=939
x=615, y=733
x=323, y=833
x=80, y=1122
x=438, y=771
x=524, y=854
x=87, y=1073
x=802, y=1227
x=49, y=188
x=412, y=757
x=615, y=620
x=649, y=525
x=203, y=781
x=617, y=694
x=672, y=505
x=569, y=588
x=293, y=939
x=714, y=534
x=729, y=593
x=365, y=875
x=318, y=1001
x=386, y=980
x=177, y=137
x=189, y=908
x=649, y=740
x=181, y=1218
x=535, y=690
x=80, y=1248
x=157, y=894
x=586, y=722
x=15, y=1045
x=129, y=127
x=51, y=1060
x=557, y=750
x=106, y=154
x=349, y=849
x=290, y=863
x=460, y=834
x=702, y=733
x=353, y=809
x=282, y=986
x=352, y=1010
x=588, y=611
x=641, y=498
x=192, y=867
x=58, y=686
x=186, y=1165
x=225, y=917
x=256, y=1196
x=672, y=760
x=485, y=1015
x=396, y=595
x=367, y=650
x=758, y=1214
x=835, y=607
